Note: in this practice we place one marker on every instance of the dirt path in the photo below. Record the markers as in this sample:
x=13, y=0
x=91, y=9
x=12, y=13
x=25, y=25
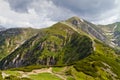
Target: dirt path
x=44, y=70
x=4, y=75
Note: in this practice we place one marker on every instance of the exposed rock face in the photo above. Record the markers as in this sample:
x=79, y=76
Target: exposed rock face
x=112, y=32
x=96, y=34
x=87, y=27
x=75, y=22
x=116, y=38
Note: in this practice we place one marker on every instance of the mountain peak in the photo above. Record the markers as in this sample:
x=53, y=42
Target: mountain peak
x=76, y=20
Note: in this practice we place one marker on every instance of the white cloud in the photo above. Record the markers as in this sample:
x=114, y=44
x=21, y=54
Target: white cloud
x=97, y=11
x=7, y=16
x=16, y=19
x=43, y=13
x=39, y=14
x=111, y=16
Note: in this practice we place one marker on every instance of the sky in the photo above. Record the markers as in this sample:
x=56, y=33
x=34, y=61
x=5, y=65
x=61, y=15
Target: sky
x=44, y=13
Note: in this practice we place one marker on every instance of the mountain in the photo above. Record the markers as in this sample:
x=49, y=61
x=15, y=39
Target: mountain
x=112, y=32
x=2, y=28
x=74, y=49
x=51, y=46
x=11, y=39
x=87, y=27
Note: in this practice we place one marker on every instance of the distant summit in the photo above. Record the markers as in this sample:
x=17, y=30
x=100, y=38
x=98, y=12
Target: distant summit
x=2, y=28
x=87, y=27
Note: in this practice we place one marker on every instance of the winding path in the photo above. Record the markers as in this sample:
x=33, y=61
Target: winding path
x=44, y=70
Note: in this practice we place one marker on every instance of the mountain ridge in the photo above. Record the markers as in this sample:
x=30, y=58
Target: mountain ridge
x=11, y=38
x=2, y=28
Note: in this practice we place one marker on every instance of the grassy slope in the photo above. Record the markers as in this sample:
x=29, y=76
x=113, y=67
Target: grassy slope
x=59, y=42
x=44, y=76
x=103, y=58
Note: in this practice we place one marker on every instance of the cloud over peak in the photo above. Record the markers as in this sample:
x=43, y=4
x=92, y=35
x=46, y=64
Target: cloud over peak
x=42, y=13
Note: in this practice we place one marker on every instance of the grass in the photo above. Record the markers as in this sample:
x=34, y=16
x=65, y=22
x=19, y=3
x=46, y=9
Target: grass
x=44, y=76
x=14, y=73
x=93, y=65
x=70, y=78
x=11, y=77
x=80, y=75
x=27, y=68
x=58, y=69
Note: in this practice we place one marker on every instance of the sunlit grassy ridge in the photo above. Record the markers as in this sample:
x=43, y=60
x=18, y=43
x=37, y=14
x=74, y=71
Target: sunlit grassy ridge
x=57, y=45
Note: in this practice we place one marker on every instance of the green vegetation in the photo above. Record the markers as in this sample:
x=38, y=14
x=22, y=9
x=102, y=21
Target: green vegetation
x=13, y=73
x=94, y=66
x=11, y=77
x=57, y=45
x=44, y=76
x=80, y=75
x=1, y=75
x=58, y=69
x=100, y=65
x=12, y=38
x=76, y=49
x=27, y=68
x=97, y=64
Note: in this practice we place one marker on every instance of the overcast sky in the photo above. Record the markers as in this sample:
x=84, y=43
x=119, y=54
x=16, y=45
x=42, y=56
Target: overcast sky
x=43, y=13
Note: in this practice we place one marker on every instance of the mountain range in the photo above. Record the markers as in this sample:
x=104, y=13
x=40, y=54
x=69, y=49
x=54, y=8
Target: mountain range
x=78, y=49
x=2, y=28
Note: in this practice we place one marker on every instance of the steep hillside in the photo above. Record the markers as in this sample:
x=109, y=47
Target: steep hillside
x=56, y=45
x=103, y=64
x=88, y=28
x=11, y=39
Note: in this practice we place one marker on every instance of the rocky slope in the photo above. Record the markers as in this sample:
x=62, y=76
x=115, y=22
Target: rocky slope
x=88, y=28
x=112, y=32
x=11, y=39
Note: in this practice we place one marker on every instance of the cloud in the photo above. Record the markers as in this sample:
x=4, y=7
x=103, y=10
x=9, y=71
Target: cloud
x=20, y=5
x=12, y=18
x=83, y=6
x=43, y=13
x=42, y=7
x=92, y=10
x=35, y=13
